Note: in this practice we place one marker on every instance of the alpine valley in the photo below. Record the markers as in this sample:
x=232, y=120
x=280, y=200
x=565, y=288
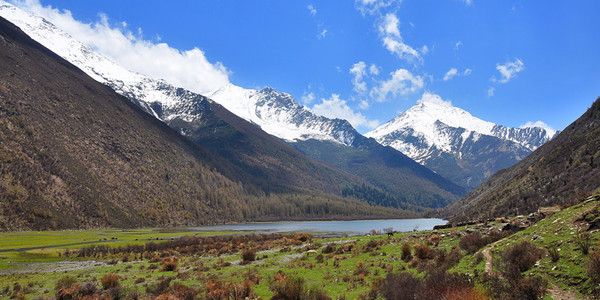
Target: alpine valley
x=250, y=142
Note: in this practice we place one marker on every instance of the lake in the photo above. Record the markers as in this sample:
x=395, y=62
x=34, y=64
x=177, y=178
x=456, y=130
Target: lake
x=330, y=227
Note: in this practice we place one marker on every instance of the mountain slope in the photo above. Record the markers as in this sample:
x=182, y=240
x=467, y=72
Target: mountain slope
x=455, y=144
x=272, y=165
x=560, y=172
x=404, y=182
x=74, y=154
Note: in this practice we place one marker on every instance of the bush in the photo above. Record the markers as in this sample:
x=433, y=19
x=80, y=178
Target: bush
x=400, y=286
x=472, y=242
x=248, y=255
x=406, y=252
x=593, y=267
x=422, y=251
x=65, y=282
x=110, y=280
x=169, y=265
x=583, y=241
x=286, y=288
x=554, y=253
x=522, y=256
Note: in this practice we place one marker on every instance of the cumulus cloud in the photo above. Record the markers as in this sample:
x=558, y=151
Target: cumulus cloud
x=358, y=70
x=450, y=74
x=312, y=9
x=510, y=69
x=490, y=92
x=308, y=98
x=334, y=107
x=401, y=82
x=188, y=68
x=389, y=30
x=467, y=2
x=467, y=72
x=374, y=69
x=539, y=124
x=429, y=97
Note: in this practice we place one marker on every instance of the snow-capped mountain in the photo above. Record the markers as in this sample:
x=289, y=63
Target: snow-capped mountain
x=156, y=97
x=280, y=115
x=441, y=136
x=272, y=163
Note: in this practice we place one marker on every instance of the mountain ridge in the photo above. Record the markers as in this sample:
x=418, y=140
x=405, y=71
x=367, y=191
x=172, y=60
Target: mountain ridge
x=561, y=172
x=452, y=142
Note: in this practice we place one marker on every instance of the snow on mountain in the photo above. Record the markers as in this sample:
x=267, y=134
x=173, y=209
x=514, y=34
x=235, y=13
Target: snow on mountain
x=280, y=115
x=276, y=113
x=425, y=126
x=156, y=97
x=452, y=142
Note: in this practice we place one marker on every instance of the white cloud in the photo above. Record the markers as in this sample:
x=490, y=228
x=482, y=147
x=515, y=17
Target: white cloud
x=374, y=69
x=424, y=50
x=308, y=98
x=467, y=72
x=371, y=7
x=538, y=124
x=509, y=70
x=467, y=2
x=335, y=107
x=450, y=74
x=312, y=9
x=322, y=34
x=188, y=68
x=490, y=92
x=429, y=97
x=401, y=82
x=392, y=40
x=457, y=45
x=359, y=71
x=364, y=104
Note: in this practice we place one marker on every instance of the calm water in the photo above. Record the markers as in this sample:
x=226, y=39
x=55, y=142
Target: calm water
x=329, y=227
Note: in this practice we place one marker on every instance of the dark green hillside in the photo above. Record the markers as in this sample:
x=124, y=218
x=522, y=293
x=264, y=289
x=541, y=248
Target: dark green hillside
x=74, y=154
x=405, y=183
x=562, y=171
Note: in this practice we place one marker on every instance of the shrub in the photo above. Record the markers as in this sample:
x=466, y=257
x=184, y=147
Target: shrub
x=593, y=267
x=554, y=253
x=406, y=252
x=472, y=242
x=286, y=288
x=169, y=265
x=422, y=251
x=400, y=286
x=522, y=256
x=583, y=241
x=248, y=255
x=159, y=287
x=65, y=282
x=110, y=280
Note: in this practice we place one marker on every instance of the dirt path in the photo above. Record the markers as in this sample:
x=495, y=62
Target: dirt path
x=488, y=258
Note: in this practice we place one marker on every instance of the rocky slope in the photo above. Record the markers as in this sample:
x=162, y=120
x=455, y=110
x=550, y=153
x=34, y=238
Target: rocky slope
x=562, y=171
x=455, y=144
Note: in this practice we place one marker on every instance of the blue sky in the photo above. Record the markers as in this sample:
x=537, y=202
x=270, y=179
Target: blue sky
x=508, y=62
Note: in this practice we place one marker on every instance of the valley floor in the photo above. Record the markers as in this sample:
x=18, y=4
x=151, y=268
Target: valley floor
x=554, y=257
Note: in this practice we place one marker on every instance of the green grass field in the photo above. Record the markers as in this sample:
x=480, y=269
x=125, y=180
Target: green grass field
x=352, y=267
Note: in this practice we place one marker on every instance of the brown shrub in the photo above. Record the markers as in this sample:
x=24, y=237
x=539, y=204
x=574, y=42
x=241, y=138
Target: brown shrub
x=110, y=280
x=422, y=251
x=65, y=282
x=169, y=265
x=593, y=267
x=400, y=286
x=248, y=255
x=406, y=252
x=522, y=256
